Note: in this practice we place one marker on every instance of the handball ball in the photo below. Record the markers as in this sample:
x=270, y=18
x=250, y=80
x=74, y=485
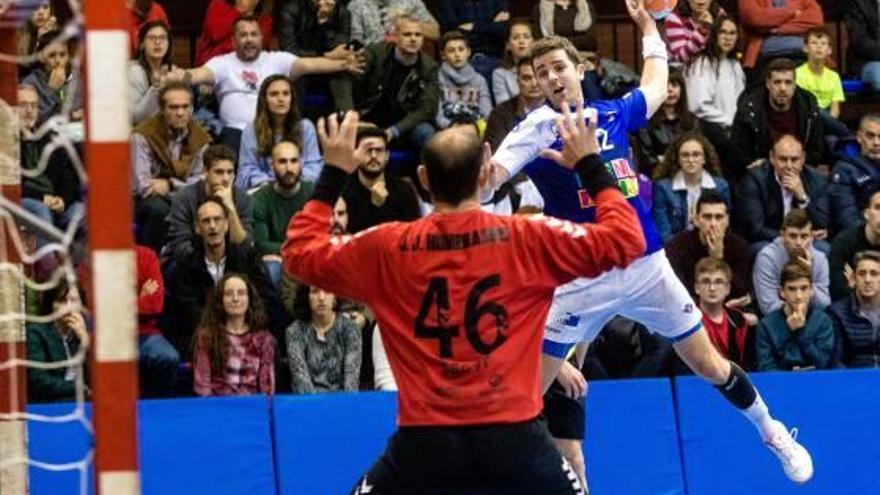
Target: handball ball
x=659, y=9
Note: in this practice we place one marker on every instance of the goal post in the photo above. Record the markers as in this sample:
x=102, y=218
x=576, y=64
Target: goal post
x=109, y=206
x=101, y=27
x=13, y=379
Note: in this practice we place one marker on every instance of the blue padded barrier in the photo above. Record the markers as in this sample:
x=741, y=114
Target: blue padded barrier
x=58, y=443
x=324, y=443
x=216, y=446
x=837, y=413
x=631, y=443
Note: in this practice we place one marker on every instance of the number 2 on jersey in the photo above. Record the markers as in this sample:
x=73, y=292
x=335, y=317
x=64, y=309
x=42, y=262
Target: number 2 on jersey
x=437, y=298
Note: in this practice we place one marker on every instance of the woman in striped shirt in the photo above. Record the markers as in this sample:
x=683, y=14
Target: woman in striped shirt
x=687, y=28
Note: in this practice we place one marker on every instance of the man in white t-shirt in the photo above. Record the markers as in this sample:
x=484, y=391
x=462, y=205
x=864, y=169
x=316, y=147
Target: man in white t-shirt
x=237, y=76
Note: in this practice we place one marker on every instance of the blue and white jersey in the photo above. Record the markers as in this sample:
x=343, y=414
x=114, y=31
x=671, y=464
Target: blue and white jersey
x=564, y=197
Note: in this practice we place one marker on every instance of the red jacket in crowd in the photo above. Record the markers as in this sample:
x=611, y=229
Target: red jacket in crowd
x=216, y=36
x=760, y=19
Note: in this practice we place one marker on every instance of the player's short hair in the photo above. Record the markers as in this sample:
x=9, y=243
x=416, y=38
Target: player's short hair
x=779, y=65
x=551, y=43
x=796, y=218
x=216, y=153
x=524, y=62
x=818, y=32
x=709, y=264
x=454, y=35
x=867, y=255
x=453, y=165
x=174, y=86
x=710, y=197
x=794, y=270
x=368, y=130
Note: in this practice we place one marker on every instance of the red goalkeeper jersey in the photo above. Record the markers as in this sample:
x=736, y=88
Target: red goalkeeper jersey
x=462, y=298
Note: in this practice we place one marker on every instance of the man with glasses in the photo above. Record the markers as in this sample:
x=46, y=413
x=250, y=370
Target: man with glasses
x=727, y=326
x=374, y=197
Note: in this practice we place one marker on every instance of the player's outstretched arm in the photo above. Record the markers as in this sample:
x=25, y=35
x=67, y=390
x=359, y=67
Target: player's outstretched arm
x=655, y=72
x=567, y=250
x=343, y=265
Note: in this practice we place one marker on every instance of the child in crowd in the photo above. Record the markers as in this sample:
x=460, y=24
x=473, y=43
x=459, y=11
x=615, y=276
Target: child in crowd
x=797, y=336
x=234, y=351
x=824, y=83
x=463, y=91
x=729, y=328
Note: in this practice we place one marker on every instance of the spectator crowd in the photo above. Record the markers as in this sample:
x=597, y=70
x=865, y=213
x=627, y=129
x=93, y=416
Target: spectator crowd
x=765, y=194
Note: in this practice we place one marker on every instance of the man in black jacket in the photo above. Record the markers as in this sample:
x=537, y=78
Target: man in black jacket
x=196, y=275
x=862, y=19
x=313, y=28
x=399, y=90
x=767, y=113
x=776, y=186
x=373, y=197
x=855, y=317
x=852, y=177
x=862, y=237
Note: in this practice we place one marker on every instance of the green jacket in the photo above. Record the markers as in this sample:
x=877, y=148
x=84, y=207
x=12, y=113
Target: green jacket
x=45, y=345
x=418, y=97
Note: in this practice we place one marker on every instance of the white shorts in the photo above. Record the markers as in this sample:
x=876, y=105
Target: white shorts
x=647, y=291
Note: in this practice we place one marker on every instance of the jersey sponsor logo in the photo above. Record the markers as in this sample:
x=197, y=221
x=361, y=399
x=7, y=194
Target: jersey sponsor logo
x=627, y=181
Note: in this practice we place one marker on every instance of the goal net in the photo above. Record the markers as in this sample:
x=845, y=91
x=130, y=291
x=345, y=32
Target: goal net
x=47, y=331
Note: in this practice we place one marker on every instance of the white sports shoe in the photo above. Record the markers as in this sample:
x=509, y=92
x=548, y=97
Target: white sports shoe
x=796, y=461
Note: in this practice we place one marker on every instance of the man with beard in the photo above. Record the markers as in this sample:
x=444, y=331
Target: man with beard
x=237, y=76
x=372, y=196
x=275, y=202
x=219, y=162
x=767, y=113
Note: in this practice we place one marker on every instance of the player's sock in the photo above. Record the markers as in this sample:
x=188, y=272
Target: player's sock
x=740, y=392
